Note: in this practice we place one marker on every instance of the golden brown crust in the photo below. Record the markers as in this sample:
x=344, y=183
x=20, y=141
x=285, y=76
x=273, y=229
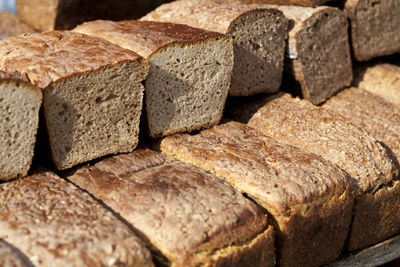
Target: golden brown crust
x=302, y=191
x=145, y=37
x=186, y=213
x=54, y=223
x=50, y=56
x=11, y=25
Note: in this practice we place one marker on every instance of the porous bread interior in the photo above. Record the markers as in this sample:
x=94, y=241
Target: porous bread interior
x=258, y=43
x=19, y=111
x=94, y=113
x=377, y=32
x=323, y=51
x=187, y=86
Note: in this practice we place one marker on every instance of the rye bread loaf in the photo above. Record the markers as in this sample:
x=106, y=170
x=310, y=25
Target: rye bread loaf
x=92, y=91
x=19, y=118
x=46, y=15
x=55, y=224
x=374, y=171
x=11, y=25
x=189, y=216
x=309, y=198
x=12, y=257
x=382, y=80
x=318, y=60
x=258, y=35
x=189, y=75
x=375, y=27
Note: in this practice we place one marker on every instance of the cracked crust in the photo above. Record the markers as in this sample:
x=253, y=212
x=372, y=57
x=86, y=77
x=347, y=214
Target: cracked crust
x=187, y=214
x=54, y=223
x=307, y=196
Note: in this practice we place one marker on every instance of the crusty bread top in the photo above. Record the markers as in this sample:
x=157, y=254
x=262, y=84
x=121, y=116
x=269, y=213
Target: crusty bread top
x=182, y=209
x=145, y=37
x=299, y=123
x=55, y=224
x=11, y=25
x=277, y=175
x=11, y=257
x=204, y=14
x=380, y=118
x=49, y=56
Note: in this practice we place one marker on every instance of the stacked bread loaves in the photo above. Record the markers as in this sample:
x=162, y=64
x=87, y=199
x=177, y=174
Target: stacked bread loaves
x=280, y=182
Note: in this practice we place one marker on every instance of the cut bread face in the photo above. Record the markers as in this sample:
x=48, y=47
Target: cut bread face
x=258, y=32
x=94, y=114
x=259, y=42
x=92, y=92
x=374, y=27
x=189, y=74
x=319, y=51
x=19, y=111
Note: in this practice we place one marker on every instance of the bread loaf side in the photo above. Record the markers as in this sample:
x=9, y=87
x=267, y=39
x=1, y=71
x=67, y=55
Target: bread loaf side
x=11, y=25
x=189, y=75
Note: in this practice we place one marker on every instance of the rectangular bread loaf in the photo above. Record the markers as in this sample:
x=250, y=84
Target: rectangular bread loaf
x=308, y=198
x=92, y=91
x=12, y=257
x=375, y=27
x=11, y=25
x=189, y=75
x=258, y=35
x=19, y=112
x=318, y=60
x=55, y=224
x=382, y=80
x=374, y=171
x=46, y=15
x=190, y=217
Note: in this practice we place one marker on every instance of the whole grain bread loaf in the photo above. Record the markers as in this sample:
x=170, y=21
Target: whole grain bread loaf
x=46, y=15
x=189, y=216
x=92, y=91
x=308, y=198
x=189, y=75
x=318, y=60
x=258, y=34
x=374, y=171
x=55, y=224
x=19, y=118
x=380, y=79
x=375, y=27
x=12, y=257
x=11, y=25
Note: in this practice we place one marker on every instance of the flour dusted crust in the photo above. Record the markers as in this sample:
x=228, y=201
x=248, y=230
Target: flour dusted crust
x=186, y=213
x=372, y=168
x=39, y=55
x=11, y=257
x=299, y=189
x=54, y=223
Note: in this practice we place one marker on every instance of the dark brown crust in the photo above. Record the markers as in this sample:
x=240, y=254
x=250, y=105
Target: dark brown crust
x=189, y=215
x=145, y=37
x=302, y=191
x=54, y=223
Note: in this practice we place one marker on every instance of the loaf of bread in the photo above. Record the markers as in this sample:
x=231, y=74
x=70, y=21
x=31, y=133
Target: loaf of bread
x=318, y=60
x=310, y=3
x=92, y=91
x=374, y=172
x=309, y=198
x=12, y=257
x=258, y=35
x=382, y=80
x=190, y=217
x=55, y=224
x=375, y=27
x=11, y=25
x=189, y=76
x=19, y=118
x=46, y=15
